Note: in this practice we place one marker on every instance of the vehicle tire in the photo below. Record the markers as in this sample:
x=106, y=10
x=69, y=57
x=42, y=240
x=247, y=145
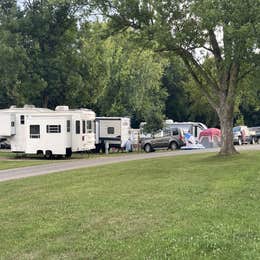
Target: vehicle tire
x=148, y=148
x=239, y=141
x=173, y=146
x=48, y=154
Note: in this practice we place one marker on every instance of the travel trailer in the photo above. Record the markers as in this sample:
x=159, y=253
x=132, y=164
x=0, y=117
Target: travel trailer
x=193, y=128
x=112, y=131
x=46, y=132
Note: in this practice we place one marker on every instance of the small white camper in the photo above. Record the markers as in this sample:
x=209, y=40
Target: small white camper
x=193, y=128
x=34, y=130
x=113, y=131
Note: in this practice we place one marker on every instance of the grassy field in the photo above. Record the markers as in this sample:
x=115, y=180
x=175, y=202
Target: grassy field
x=4, y=165
x=10, y=160
x=187, y=207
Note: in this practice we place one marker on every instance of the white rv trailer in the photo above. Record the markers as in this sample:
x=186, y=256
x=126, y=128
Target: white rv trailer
x=193, y=128
x=43, y=131
x=115, y=131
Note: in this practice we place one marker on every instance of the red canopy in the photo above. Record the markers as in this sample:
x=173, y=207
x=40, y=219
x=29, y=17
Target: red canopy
x=210, y=132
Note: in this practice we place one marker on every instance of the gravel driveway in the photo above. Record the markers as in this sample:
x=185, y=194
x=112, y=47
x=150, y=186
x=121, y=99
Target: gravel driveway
x=24, y=172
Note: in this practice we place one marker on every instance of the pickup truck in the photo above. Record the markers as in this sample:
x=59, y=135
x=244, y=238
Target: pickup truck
x=172, y=138
x=256, y=133
x=242, y=135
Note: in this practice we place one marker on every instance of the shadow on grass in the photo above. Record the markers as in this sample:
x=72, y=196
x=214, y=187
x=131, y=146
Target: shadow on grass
x=216, y=158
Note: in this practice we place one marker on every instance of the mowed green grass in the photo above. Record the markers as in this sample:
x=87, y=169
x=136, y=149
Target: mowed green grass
x=4, y=165
x=10, y=160
x=185, y=207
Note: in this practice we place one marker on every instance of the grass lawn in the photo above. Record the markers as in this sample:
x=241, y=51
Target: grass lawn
x=186, y=207
x=10, y=160
x=84, y=155
x=4, y=165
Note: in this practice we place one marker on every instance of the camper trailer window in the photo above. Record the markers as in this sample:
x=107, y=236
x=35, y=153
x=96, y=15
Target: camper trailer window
x=110, y=130
x=89, y=126
x=22, y=119
x=83, y=126
x=68, y=126
x=77, y=127
x=34, y=131
x=53, y=129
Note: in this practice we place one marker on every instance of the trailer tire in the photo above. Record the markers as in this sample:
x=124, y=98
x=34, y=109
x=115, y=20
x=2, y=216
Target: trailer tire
x=48, y=154
x=39, y=152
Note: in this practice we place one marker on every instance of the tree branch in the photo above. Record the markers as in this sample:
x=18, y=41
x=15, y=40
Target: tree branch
x=200, y=83
x=209, y=79
x=215, y=47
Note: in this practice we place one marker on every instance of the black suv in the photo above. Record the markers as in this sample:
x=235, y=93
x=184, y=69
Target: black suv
x=172, y=138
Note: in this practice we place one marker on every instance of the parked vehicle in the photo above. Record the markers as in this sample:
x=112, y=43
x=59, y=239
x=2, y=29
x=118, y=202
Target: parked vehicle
x=193, y=128
x=242, y=135
x=172, y=139
x=112, y=131
x=256, y=131
x=46, y=132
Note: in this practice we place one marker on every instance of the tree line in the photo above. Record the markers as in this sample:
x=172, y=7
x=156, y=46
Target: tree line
x=133, y=58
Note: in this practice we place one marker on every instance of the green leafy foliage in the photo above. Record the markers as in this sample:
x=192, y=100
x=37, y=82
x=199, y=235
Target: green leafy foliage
x=227, y=31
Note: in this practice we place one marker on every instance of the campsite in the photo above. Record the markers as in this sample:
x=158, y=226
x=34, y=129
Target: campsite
x=189, y=205
x=129, y=129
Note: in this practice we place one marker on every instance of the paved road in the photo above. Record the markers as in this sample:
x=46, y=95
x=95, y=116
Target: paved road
x=24, y=172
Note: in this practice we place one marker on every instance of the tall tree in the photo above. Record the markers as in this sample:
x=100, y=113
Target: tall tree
x=13, y=58
x=134, y=86
x=49, y=36
x=227, y=30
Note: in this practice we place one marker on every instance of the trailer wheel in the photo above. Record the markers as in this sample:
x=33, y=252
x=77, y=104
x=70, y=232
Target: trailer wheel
x=48, y=154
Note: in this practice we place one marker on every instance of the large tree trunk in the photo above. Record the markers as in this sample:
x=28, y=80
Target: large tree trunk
x=226, y=117
x=228, y=86
x=226, y=124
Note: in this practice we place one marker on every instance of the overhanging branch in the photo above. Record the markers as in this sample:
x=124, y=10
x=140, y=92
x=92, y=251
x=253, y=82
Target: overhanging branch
x=200, y=83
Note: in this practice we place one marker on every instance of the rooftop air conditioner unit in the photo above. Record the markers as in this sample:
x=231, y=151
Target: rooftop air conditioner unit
x=28, y=106
x=62, y=108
